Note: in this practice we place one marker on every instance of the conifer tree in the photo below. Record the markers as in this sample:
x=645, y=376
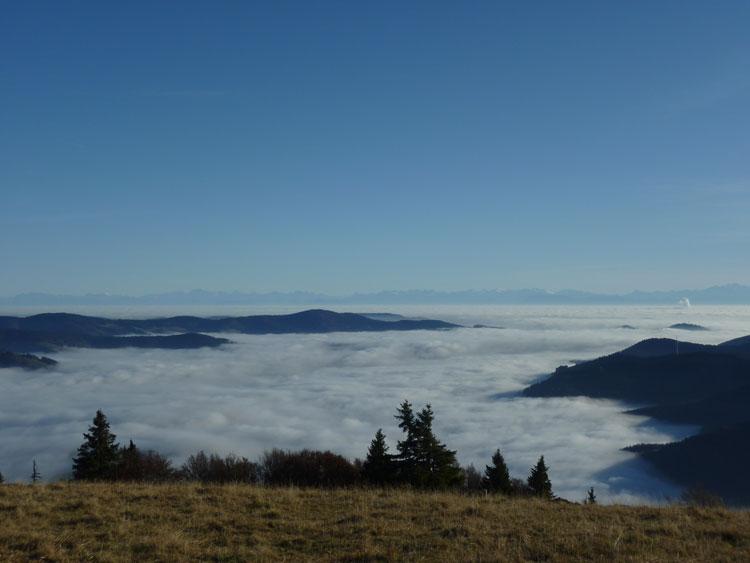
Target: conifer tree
x=539, y=482
x=2, y=479
x=98, y=456
x=591, y=498
x=407, y=448
x=496, y=477
x=379, y=468
x=424, y=461
x=35, y=475
x=129, y=464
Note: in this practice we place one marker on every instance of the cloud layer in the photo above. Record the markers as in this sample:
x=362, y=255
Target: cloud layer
x=333, y=391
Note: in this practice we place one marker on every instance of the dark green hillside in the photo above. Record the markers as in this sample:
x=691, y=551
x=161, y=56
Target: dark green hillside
x=685, y=383
x=721, y=409
x=312, y=321
x=174, y=342
x=27, y=361
x=62, y=323
x=742, y=343
x=717, y=461
x=24, y=341
x=688, y=326
x=664, y=347
x=659, y=379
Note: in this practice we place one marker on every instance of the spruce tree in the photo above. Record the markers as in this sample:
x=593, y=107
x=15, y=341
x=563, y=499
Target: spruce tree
x=98, y=456
x=424, y=461
x=437, y=465
x=35, y=475
x=539, y=482
x=129, y=464
x=496, y=477
x=591, y=498
x=407, y=448
x=379, y=467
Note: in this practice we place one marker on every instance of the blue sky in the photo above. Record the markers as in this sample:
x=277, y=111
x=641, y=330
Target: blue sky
x=358, y=146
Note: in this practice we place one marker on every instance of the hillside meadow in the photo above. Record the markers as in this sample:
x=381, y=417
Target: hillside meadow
x=192, y=522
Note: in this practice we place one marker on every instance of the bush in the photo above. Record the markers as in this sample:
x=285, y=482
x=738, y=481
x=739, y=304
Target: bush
x=215, y=469
x=472, y=480
x=134, y=465
x=307, y=468
x=519, y=488
x=698, y=495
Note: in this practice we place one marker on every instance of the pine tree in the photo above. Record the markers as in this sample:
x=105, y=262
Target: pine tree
x=379, y=468
x=496, y=477
x=437, y=465
x=129, y=464
x=591, y=498
x=2, y=479
x=99, y=454
x=407, y=448
x=35, y=475
x=424, y=462
x=539, y=482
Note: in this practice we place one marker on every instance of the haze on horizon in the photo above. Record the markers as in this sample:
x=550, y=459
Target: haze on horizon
x=349, y=147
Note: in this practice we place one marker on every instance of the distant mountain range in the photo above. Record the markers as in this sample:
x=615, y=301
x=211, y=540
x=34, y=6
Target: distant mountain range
x=683, y=383
x=733, y=294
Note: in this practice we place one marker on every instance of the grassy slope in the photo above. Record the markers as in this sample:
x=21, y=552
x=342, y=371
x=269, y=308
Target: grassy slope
x=179, y=522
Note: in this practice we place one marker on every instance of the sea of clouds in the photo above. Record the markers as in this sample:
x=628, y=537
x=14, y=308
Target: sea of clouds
x=333, y=391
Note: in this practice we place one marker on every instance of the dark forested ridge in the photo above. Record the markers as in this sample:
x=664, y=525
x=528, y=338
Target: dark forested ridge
x=684, y=383
x=12, y=360
x=688, y=326
x=656, y=371
x=714, y=411
x=716, y=460
x=657, y=379
x=37, y=341
x=664, y=347
x=312, y=321
x=48, y=332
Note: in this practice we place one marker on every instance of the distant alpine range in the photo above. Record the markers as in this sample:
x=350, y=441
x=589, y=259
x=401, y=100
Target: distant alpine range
x=48, y=332
x=683, y=383
x=732, y=294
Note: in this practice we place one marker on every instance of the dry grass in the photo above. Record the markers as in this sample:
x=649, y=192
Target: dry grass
x=189, y=522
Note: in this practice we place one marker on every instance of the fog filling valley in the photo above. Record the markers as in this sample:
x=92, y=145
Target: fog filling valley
x=333, y=391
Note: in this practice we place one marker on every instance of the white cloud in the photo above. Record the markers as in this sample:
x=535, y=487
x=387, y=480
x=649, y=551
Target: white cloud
x=334, y=391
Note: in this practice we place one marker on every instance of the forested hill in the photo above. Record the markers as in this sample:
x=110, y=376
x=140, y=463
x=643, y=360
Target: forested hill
x=658, y=370
x=51, y=331
x=25, y=341
x=11, y=360
x=312, y=321
x=684, y=383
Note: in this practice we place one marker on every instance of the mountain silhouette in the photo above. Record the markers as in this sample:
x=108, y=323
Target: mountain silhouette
x=684, y=383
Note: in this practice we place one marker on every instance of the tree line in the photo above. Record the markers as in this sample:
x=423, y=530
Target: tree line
x=421, y=461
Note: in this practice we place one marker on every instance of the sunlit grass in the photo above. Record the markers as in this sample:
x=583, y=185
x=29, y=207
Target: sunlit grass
x=191, y=522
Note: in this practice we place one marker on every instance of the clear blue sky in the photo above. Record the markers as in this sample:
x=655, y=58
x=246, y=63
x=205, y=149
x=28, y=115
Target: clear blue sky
x=357, y=146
